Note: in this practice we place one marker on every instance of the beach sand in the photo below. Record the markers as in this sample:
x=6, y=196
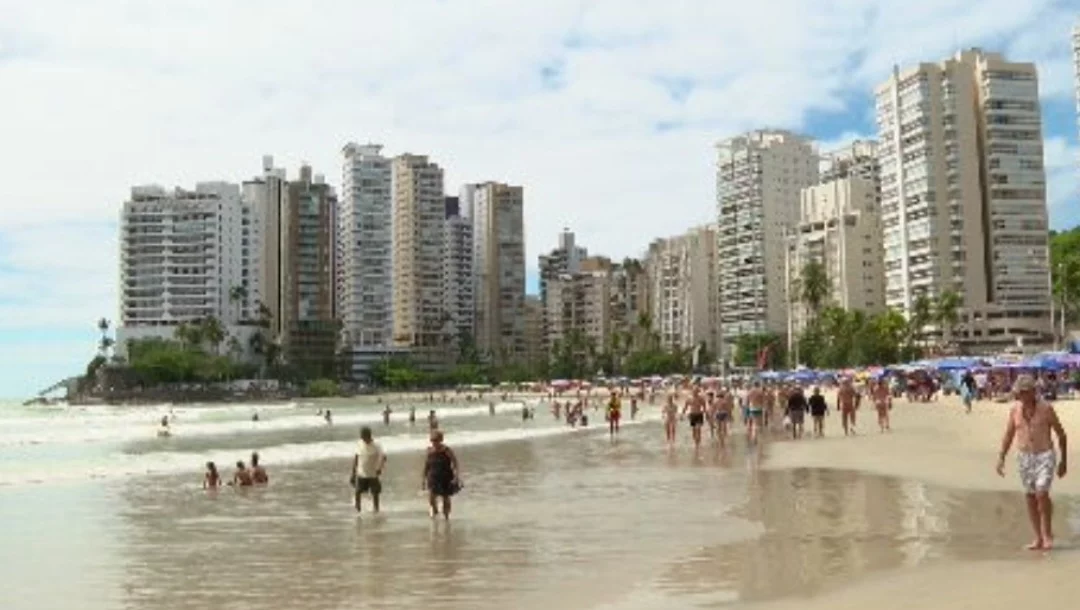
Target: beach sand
x=568, y=520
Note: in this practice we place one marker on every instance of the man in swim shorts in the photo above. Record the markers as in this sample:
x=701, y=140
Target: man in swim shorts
x=695, y=405
x=847, y=401
x=1030, y=424
x=755, y=400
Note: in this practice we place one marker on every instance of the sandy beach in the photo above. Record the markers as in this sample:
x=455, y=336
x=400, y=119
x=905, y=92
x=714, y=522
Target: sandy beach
x=550, y=517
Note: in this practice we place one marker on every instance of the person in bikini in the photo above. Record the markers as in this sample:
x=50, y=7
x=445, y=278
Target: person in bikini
x=847, y=401
x=695, y=408
x=671, y=415
x=614, y=413
x=1031, y=422
x=879, y=392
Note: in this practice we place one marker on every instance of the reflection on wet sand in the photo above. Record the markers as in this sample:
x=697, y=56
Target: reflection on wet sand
x=823, y=528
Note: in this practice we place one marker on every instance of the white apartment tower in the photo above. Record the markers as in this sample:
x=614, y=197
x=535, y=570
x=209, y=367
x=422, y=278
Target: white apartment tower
x=497, y=212
x=182, y=254
x=682, y=274
x=419, y=213
x=365, y=247
x=759, y=176
x=840, y=228
x=457, y=277
x=964, y=193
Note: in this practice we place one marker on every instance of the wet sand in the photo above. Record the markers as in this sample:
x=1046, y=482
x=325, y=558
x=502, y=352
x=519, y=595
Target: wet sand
x=916, y=516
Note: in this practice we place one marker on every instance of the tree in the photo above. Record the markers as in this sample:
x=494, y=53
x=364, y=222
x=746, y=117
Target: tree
x=922, y=314
x=814, y=287
x=212, y=332
x=105, y=343
x=237, y=295
x=947, y=313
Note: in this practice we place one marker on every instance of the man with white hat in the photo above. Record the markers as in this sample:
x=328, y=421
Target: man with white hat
x=1030, y=423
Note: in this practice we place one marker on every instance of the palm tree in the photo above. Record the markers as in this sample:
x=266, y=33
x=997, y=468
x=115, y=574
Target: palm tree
x=212, y=332
x=922, y=313
x=105, y=342
x=814, y=286
x=947, y=312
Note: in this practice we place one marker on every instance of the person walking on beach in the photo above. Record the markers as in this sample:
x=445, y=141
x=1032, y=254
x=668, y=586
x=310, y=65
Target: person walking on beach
x=882, y=398
x=725, y=406
x=633, y=407
x=614, y=413
x=442, y=476
x=1030, y=423
x=258, y=473
x=671, y=415
x=818, y=408
x=695, y=405
x=369, y=461
x=211, y=480
x=967, y=390
x=847, y=400
x=755, y=404
x=796, y=411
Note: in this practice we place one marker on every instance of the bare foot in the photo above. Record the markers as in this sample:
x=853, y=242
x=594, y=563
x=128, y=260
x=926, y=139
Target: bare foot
x=1036, y=545
x=1048, y=544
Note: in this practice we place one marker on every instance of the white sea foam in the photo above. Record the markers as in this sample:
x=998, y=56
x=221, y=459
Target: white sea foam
x=118, y=465
x=111, y=424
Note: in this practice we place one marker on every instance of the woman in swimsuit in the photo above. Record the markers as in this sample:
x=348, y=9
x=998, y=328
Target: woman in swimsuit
x=212, y=480
x=614, y=413
x=671, y=414
x=440, y=477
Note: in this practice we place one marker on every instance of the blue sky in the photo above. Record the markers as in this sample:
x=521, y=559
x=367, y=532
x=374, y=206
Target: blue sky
x=606, y=110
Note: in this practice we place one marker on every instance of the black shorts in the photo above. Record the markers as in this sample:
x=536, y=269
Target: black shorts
x=697, y=419
x=372, y=486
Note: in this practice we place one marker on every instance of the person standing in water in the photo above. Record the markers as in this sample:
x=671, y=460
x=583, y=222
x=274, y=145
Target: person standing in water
x=442, y=476
x=329, y=418
x=412, y=416
x=258, y=473
x=491, y=409
x=818, y=408
x=755, y=401
x=432, y=421
x=847, y=400
x=633, y=407
x=369, y=461
x=725, y=406
x=242, y=476
x=211, y=480
x=1031, y=424
x=695, y=405
x=614, y=413
x=386, y=415
x=163, y=428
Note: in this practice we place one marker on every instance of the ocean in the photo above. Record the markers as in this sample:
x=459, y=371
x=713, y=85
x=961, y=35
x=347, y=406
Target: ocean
x=99, y=513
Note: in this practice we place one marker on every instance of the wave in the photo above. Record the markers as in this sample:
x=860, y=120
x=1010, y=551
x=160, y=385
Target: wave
x=118, y=465
x=112, y=424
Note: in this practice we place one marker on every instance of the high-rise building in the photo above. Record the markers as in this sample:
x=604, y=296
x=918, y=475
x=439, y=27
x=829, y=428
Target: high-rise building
x=840, y=229
x=577, y=308
x=264, y=195
x=964, y=194
x=365, y=245
x=535, y=355
x=183, y=254
x=759, y=176
x=499, y=267
x=419, y=212
x=307, y=322
x=1076, y=65
x=563, y=260
x=629, y=302
x=457, y=276
x=860, y=158
x=682, y=274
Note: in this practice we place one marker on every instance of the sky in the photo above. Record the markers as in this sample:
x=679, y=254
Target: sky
x=607, y=112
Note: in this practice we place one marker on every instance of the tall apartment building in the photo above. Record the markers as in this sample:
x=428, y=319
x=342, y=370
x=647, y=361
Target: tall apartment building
x=629, y=300
x=578, y=303
x=365, y=245
x=840, y=228
x=964, y=193
x=563, y=260
x=182, y=253
x=535, y=355
x=499, y=268
x=684, y=301
x=1076, y=65
x=457, y=275
x=860, y=158
x=419, y=210
x=759, y=176
x=264, y=195
x=307, y=323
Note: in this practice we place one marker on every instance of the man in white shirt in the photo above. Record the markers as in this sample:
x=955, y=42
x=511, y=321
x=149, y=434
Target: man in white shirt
x=368, y=464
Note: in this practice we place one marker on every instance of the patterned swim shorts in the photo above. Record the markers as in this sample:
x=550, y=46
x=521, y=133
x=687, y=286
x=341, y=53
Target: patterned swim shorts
x=1037, y=470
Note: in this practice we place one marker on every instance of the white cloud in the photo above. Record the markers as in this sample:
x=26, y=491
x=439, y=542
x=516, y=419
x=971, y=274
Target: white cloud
x=1062, y=160
x=128, y=93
